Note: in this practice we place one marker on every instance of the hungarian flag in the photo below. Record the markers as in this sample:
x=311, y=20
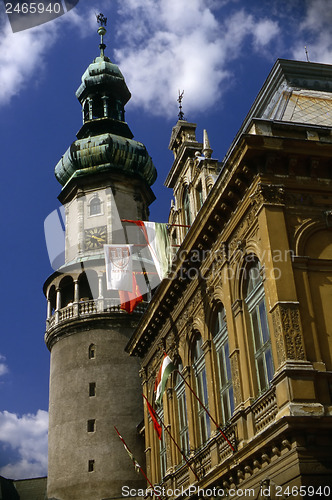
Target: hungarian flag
x=157, y=240
x=164, y=371
x=129, y=300
x=156, y=425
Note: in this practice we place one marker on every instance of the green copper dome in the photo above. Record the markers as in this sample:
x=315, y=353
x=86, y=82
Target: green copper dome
x=100, y=76
x=105, y=152
x=105, y=141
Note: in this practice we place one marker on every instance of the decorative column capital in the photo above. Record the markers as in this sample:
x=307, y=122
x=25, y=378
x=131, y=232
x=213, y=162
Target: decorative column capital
x=272, y=194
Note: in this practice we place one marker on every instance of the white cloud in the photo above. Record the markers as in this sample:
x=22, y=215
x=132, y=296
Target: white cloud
x=315, y=32
x=264, y=32
x=176, y=45
x=3, y=366
x=23, y=55
x=168, y=46
x=28, y=436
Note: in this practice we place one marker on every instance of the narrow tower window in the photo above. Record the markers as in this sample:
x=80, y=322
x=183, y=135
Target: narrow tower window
x=92, y=351
x=186, y=208
x=91, y=465
x=92, y=389
x=91, y=425
x=199, y=196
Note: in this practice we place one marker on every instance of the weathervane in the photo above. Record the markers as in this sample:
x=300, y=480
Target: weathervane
x=102, y=21
x=181, y=114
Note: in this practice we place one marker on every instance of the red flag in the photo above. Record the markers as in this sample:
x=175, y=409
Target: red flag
x=129, y=300
x=156, y=425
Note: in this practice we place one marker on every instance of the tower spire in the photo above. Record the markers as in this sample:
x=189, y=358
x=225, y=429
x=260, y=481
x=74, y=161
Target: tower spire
x=102, y=21
x=207, y=151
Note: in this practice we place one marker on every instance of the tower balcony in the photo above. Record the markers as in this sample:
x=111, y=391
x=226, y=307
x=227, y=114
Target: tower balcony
x=89, y=307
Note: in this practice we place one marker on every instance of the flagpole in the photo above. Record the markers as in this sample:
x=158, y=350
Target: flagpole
x=170, y=435
x=166, y=223
x=207, y=411
x=140, y=468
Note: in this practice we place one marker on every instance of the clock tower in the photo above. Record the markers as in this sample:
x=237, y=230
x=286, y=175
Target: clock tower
x=94, y=385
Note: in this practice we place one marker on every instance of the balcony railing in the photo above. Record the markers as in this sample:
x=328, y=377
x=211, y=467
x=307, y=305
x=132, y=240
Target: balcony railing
x=265, y=409
x=87, y=308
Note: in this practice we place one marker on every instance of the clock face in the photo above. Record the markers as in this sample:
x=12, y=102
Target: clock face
x=95, y=237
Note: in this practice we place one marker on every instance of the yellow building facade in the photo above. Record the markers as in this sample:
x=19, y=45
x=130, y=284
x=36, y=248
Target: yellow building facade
x=246, y=310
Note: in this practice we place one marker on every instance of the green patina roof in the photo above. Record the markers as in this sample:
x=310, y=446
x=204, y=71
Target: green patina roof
x=105, y=152
x=102, y=73
x=104, y=143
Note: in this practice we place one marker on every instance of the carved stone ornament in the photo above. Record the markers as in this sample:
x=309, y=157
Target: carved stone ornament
x=269, y=193
x=288, y=332
x=143, y=374
x=234, y=358
x=171, y=345
x=239, y=237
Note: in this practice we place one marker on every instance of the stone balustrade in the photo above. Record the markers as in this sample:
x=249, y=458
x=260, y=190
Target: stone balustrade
x=265, y=409
x=84, y=308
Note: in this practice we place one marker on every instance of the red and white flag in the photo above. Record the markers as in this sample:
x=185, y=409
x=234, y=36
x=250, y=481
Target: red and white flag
x=119, y=267
x=164, y=371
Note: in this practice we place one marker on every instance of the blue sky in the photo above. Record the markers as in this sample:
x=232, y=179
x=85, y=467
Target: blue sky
x=218, y=51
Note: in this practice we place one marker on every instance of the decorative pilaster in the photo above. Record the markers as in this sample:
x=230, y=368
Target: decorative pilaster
x=80, y=223
x=234, y=359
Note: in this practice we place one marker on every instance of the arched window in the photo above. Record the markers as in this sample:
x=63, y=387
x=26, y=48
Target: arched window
x=255, y=301
x=52, y=299
x=67, y=291
x=92, y=351
x=186, y=208
x=199, y=196
x=88, y=285
x=220, y=338
x=201, y=385
x=182, y=411
x=95, y=206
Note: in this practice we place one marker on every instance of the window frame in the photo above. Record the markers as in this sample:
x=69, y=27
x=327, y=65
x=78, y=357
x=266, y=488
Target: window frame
x=221, y=343
x=180, y=391
x=162, y=446
x=199, y=368
x=187, y=218
x=260, y=332
x=92, y=203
